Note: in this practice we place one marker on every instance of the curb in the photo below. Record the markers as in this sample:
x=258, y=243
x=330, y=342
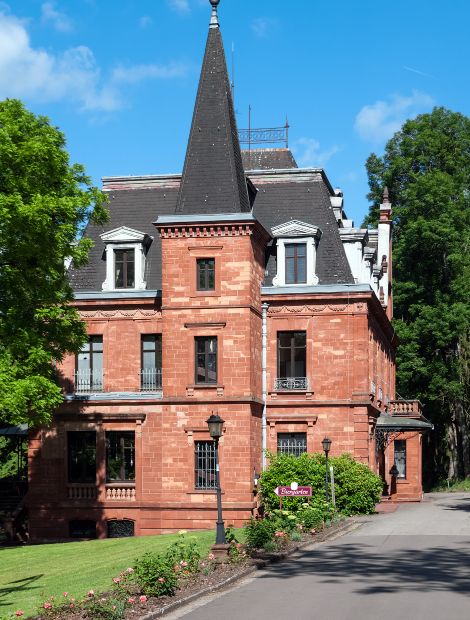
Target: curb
x=258, y=564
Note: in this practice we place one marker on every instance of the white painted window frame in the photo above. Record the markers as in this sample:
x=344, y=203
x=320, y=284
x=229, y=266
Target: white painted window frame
x=124, y=239
x=296, y=232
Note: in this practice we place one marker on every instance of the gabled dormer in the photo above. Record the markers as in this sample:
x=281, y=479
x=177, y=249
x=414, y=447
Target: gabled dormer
x=125, y=251
x=297, y=244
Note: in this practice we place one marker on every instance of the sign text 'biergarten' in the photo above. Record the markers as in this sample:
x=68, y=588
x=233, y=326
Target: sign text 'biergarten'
x=293, y=492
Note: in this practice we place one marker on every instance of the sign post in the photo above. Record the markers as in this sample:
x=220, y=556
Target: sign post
x=292, y=491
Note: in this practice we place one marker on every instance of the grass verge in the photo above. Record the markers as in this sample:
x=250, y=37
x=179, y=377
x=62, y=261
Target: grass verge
x=452, y=486
x=32, y=574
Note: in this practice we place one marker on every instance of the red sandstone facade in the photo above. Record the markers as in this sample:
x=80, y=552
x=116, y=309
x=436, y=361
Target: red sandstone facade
x=150, y=433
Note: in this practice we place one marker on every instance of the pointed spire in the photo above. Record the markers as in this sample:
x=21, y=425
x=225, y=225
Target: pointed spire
x=213, y=176
x=385, y=198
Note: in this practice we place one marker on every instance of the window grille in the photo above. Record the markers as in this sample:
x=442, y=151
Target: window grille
x=292, y=443
x=399, y=449
x=205, y=465
x=120, y=528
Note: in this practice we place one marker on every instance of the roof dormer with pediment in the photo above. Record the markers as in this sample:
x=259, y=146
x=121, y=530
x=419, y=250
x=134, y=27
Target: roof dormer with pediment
x=296, y=228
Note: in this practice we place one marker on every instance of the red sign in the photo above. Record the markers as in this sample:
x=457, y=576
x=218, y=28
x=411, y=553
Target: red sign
x=289, y=492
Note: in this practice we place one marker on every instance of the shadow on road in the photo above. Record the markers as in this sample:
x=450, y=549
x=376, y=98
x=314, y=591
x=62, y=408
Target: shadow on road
x=433, y=569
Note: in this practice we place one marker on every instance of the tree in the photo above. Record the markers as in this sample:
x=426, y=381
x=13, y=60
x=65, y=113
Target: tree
x=44, y=204
x=426, y=166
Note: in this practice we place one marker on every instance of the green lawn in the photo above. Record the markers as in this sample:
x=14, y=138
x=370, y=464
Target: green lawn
x=30, y=575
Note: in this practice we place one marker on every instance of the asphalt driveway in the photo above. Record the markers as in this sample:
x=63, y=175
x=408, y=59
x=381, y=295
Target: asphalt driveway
x=410, y=564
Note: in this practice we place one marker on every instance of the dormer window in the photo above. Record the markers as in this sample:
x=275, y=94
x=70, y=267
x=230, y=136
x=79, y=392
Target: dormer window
x=296, y=263
x=125, y=258
x=296, y=253
x=124, y=268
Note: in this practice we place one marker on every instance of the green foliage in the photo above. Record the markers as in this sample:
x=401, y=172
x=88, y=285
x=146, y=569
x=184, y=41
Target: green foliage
x=259, y=532
x=313, y=515
x=426, y=166
x=44, y=204
x=184, y=554
x=155, y=575
x=357, y=488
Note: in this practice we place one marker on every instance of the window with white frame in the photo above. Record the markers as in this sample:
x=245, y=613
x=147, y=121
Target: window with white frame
x=125, y=259
x=297, y=244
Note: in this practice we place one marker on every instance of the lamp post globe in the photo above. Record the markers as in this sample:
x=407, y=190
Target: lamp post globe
x=326, y=444
x=216, y=429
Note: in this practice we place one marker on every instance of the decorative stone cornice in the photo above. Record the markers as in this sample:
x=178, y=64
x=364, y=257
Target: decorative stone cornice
x=228, y=230
x=139, y=313
x=123, y=234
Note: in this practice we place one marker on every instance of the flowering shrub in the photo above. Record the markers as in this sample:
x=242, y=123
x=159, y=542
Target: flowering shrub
x=155, y=575
x=184, y=555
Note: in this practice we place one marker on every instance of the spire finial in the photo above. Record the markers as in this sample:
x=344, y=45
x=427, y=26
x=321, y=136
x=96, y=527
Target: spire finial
x=214, y=18
x=385, y=198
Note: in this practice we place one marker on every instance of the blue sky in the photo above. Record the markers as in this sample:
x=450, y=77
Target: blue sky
x=119, y=77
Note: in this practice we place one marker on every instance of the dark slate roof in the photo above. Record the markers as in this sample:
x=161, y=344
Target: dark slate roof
x=307, y=201
x=268, y=159
x=300, y=195
x=213, y=174
x=137, y=209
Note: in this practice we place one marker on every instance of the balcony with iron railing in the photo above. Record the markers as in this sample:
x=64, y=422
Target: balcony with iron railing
x=88, y=381
x=291, y=384
x=150, y=379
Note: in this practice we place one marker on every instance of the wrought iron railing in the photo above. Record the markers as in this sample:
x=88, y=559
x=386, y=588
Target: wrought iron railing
x=150, y=379
x=291, y=383
x=294, y=444
x=88, y=381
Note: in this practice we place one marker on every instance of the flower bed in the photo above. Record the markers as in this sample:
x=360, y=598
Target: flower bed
x=157, y=581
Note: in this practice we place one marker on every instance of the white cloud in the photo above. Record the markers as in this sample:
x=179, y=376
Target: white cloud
x=59, y=20
x=263, y=26
x=145, y=21
x=74, y=75
x=379, y=121
x=180, y=6
x=309, y=154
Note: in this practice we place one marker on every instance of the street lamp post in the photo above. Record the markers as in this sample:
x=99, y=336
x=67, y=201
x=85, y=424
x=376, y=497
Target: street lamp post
x=216, y=425
x=326, y=443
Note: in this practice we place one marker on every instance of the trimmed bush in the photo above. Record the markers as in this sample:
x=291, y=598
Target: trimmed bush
x=357, y=488
x=155, y=575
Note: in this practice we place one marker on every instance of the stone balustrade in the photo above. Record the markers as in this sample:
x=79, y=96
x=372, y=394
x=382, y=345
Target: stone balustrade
x=404, y=408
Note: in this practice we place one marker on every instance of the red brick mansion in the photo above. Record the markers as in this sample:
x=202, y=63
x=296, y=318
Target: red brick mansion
x=240, y=288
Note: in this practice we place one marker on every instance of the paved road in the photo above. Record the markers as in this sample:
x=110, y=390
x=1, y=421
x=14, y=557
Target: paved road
x=411, y=564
